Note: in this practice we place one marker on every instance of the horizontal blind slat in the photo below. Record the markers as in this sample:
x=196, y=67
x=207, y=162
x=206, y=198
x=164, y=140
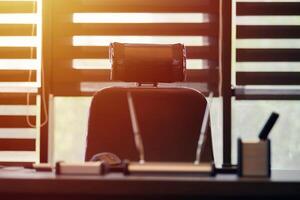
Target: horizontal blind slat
x=17, y=145
x=17, y=6
x=268, y=31
x=268, y=8
x=136, y=6
x=267, y=93
x=288, y=55
x=17, y=52
x=17, y=30
x=15, y=121
x=16, y=99
x=268, y=78
x=17, y=75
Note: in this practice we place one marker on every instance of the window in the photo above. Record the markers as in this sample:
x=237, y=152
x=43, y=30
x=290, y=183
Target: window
x=266, y=66
x=20, y=80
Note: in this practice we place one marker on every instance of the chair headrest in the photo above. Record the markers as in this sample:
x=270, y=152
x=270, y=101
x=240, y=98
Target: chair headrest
x=145, y=63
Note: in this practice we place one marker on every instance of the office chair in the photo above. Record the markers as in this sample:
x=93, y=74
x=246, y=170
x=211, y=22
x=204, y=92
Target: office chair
x=169, y=118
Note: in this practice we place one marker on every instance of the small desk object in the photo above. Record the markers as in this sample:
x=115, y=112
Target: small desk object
x=254, y=157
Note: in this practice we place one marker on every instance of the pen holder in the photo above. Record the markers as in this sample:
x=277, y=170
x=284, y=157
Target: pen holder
x=254, y=158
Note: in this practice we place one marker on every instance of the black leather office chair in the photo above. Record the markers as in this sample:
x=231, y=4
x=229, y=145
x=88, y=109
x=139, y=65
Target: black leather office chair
x=169, y=118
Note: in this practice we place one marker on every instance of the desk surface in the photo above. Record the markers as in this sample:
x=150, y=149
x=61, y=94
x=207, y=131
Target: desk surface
x=29, y=182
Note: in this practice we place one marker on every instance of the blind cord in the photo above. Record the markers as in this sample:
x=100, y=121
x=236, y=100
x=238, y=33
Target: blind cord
x=43, y=93
x=220, y=46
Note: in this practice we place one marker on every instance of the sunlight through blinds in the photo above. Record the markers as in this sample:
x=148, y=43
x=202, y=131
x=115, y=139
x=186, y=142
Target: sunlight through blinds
x=20, y=75
x=84, y=29
x=267, y=49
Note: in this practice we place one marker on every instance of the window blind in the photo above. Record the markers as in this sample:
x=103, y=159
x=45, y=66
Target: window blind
x=82, y=31
x=20, y=79
x=267, y=49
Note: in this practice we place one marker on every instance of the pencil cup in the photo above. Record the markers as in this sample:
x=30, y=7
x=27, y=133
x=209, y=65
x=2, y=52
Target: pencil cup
x=254, y=158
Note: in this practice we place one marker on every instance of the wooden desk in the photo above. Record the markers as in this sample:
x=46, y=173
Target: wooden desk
x=27, y=184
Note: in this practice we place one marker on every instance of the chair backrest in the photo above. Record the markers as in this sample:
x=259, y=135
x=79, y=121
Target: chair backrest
x=169, y=120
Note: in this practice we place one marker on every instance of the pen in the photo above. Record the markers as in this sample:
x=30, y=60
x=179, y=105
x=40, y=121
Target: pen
x=263, y=135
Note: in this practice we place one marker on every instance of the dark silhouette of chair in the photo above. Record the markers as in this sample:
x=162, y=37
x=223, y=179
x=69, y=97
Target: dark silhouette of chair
x=169, y=118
